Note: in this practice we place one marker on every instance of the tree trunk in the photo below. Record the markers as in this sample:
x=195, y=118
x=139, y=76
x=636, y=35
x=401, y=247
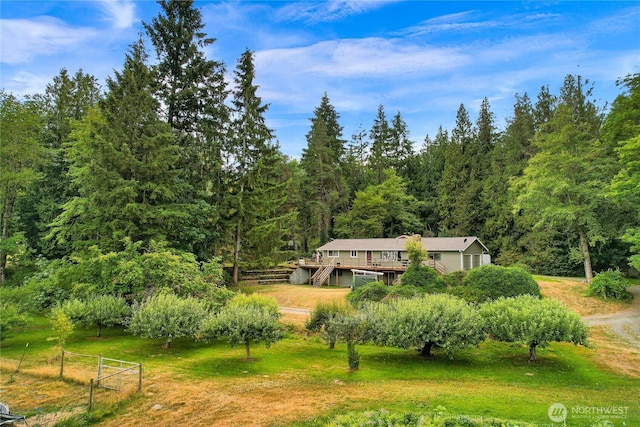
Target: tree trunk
x=236, y=256
x=532, y=352
x=584, y=247
x=426, y=350
x=167, y=343
x=99, y=330
x=246, y=346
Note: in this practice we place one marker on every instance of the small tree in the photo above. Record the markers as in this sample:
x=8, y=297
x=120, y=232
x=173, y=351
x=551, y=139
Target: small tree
x=609, y=284
x=99, y=310
x=243, y=324
x=167, y=316
x=532, y=321
x=431, y=320
x=322, y=316
x=350, y=328
x=417, y=253
x=61, y=325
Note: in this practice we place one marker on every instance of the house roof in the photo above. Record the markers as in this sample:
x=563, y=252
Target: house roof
x=432, y=244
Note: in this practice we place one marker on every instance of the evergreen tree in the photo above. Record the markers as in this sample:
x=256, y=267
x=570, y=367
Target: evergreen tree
x=66, y=100
x=508, y=160
x=324, y=188
x=453, y=200
x=380, y=136
x=256, y=192
x=355, y=162
x=192, y=93
x=123, y=160
x=400, y=147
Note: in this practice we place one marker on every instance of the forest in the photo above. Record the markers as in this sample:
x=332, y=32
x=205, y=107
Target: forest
x=172, y=160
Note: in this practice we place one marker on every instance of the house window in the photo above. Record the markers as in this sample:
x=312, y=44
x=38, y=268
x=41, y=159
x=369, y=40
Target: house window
x=354, y=254
x=436, y=256
x=333, y=254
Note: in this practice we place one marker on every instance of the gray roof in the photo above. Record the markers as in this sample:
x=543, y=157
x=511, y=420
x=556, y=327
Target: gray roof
x=432, y=244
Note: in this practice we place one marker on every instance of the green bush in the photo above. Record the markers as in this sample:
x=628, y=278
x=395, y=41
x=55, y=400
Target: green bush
x=609, y=284
x=373, y=291
x=493, y=282
x=10, y=318
x=424, y=278
x=403, y=291
x=454, y=278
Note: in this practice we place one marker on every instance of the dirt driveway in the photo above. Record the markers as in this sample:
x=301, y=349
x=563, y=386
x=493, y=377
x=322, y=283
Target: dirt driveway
x=625, y=324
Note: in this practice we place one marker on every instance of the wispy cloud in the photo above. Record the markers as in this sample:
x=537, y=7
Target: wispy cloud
x=24, y=39
x=623, y=21
x=328, y=11
x=120, y=13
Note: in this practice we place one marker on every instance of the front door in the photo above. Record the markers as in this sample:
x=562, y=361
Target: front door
x=369, y=256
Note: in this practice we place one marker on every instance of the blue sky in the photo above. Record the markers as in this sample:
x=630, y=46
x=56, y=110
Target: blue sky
x=417, y=57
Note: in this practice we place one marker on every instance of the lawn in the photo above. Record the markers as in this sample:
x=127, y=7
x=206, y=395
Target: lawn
x=300, y=382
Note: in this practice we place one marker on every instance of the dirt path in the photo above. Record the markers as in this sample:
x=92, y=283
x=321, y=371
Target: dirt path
x=625, y=324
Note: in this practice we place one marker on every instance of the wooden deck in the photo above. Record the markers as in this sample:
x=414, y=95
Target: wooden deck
x=342, y=264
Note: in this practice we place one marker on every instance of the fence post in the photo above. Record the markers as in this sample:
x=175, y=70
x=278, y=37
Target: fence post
x=62, y=363
x=139, y=377
x=99, y=369
x=90, y=393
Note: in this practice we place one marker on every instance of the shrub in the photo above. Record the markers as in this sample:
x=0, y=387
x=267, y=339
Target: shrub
x=454, y=278
x=9, y=319
x=373, y=291
x=424, y=278
x=403, y=291
x=322, y=316
x=493, y=282
x=609, y=284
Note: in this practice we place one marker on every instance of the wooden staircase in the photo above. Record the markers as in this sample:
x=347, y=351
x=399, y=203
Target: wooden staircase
x=322, y=274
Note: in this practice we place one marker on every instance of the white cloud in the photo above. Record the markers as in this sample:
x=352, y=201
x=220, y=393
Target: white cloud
x=327, y=11
x=24, y=39
x=26, y=83
x=121, y=13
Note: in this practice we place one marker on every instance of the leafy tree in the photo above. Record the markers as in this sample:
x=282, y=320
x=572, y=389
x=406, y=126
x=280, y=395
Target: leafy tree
x=167, y=316
x=191, y=91
x=417, y=253
x=269, y=303
x=321, y=317
x=532, y=321
x=426, y=322
x=61, y=325
x=493, y=282
x=381, y=211
x=622, y=127
x=256, y=192
x=242, y=324
x=323, y=188
x=609, y=284
x=564, y=183
x=11, y=317
x=20, y=156
x=123, y=160
x=351, y=328
x=99, y=310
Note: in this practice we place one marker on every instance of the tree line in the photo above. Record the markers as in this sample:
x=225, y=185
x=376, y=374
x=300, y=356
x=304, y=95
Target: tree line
x=172, y=154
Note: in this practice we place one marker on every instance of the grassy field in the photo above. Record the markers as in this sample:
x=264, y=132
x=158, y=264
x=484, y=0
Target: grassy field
x=300, y=382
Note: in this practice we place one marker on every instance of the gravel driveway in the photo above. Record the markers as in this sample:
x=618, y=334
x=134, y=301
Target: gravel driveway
x=625, y=324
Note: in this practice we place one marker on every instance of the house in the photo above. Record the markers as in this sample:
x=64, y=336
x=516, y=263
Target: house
x=339, y=257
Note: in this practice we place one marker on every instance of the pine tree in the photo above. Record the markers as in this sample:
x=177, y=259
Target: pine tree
x=324, y=188
x=192, y=93
x=66, y=100
x=123, y=160
x=256, y=192
x=380, y=136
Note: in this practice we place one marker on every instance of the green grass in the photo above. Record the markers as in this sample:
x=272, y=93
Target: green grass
x=492, y=380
